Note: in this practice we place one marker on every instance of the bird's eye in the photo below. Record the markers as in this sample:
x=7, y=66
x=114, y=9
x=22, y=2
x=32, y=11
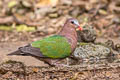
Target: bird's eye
x=72, y=22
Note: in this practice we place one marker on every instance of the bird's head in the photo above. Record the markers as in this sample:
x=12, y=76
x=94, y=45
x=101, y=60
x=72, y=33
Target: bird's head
x=74, y=22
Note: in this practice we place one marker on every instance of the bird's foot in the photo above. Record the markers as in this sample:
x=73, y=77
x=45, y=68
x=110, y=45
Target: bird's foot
x=56, y=63
x=60, y=65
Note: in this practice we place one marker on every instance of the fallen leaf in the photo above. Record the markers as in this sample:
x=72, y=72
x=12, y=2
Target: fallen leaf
x=12, y=4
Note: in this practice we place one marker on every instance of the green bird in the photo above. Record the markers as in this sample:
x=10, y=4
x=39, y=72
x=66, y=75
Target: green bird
x=53, y=48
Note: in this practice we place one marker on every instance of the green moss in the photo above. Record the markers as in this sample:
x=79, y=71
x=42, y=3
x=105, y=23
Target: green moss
x=99, y=43
x=83, y=43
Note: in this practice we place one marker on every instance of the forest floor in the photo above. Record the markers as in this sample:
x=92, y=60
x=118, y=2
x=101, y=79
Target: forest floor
x=24, y=21
x=34, y=69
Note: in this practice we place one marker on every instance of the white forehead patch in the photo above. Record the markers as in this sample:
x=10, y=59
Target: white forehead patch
x=75, y=22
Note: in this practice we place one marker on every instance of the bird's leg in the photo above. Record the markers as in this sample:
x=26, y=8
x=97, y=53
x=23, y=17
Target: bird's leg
x=71, y=60
x=58, y=64
x=55, y=62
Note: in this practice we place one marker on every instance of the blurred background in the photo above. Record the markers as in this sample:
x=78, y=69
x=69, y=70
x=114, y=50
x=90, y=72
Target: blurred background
x=26, y=20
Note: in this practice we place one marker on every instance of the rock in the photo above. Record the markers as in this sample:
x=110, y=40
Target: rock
x=117, y=47
x=113, y=46
x=110, y=43
x=90, y=53
x=87, y=35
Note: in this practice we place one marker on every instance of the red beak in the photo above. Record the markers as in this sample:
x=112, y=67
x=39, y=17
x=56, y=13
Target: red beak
x=80, y=28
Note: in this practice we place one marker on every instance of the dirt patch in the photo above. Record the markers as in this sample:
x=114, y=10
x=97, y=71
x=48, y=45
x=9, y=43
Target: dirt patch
x=18, y=71
x=30, y=68
x=8, y=47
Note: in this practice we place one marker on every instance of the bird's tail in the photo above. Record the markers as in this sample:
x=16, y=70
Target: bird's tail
x=17, y=52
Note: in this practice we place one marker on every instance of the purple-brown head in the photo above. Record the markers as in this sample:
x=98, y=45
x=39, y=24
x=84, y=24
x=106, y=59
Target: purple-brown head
x=74, y=22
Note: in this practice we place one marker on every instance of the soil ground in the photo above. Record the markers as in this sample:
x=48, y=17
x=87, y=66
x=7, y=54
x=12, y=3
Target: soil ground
x=18, y=17
x=7, y=47
x=38, y=73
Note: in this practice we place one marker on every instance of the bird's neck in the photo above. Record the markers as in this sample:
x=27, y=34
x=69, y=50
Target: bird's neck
x=71, y=35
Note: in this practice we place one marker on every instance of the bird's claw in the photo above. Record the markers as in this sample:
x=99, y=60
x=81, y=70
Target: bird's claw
x=60, y=65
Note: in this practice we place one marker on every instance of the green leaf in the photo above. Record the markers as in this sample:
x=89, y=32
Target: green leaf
x=12, y=4
x=6, y=28
x=24, y=28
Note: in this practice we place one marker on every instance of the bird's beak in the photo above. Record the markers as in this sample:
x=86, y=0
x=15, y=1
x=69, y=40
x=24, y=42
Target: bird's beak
x=79, y=28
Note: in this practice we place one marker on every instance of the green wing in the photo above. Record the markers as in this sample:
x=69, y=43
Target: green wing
x=54, y=46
